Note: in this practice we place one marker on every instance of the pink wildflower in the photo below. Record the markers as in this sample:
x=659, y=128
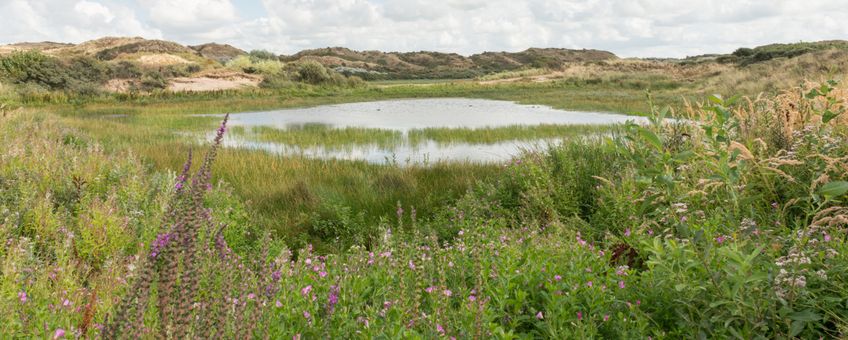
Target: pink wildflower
x=621, y=284
x=539, y=315
x=606, y=317
x=60, y=333
x=579, y=315
x=627, y=232
x=558, y=277
x=448, y=293
x=306, y=290
x=22, y=296
x=589, y=284
x=279, y=304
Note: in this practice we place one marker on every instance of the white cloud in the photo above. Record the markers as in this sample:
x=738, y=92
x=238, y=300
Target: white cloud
x=68, y=21
x=628, y=28
x=191, y=15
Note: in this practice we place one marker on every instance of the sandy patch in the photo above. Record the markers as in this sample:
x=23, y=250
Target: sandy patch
x=209, y=83
x=162, y=59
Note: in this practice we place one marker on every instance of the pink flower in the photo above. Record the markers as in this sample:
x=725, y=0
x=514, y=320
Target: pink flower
x=251, y=296
x=411, y=265
x=827, y=237
x=322, y=274
x=638, y=302
x=440, y=329
x=720, y=239
x=279, y=304
x=606, y=317
x=296, y=337
x=59, y=333
x=306, y=290
x=472, y=298
x=306, y=314
x=627, y=232
x=589, y=284
x=579, y=316
x=558, y=277
x=539, y=315
x=430, y=289
x=23, y=297
x=621, y=284
x=448, y=293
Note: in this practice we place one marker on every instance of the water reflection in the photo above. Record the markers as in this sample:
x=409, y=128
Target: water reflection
x=409, y=114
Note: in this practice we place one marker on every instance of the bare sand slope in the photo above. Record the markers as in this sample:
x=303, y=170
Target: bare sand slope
x=212, y=83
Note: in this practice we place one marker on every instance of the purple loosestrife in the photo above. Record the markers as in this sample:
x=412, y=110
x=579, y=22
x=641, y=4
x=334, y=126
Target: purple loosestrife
x=173, y=262
x=333, y=299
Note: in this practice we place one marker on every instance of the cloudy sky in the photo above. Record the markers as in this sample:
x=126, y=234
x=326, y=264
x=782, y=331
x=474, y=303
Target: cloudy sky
x=660, y=28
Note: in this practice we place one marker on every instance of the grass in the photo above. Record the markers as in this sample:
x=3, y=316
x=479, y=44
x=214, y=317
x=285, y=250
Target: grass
x=730, y=227
x=502, y=134
x=310, y=135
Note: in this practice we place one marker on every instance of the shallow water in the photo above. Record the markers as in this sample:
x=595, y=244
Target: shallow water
x=407, y=114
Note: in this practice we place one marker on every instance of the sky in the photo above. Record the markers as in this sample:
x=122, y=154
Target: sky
x=628, y=28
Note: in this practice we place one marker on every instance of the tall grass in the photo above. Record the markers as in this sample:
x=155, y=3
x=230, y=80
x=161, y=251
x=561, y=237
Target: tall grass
x=731, y=224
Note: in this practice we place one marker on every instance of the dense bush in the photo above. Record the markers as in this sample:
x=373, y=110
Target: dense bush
x=80, y=75
x=34, y=68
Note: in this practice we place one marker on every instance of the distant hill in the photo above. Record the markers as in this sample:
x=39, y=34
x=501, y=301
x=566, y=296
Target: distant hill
x=444, y=65
x=160, y=62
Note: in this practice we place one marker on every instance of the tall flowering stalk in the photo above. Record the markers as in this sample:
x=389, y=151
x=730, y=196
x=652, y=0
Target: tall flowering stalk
x=173, y=261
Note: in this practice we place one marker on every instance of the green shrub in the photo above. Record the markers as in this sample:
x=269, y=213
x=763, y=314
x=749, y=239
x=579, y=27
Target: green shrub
x=125, y=70
x=33, y=67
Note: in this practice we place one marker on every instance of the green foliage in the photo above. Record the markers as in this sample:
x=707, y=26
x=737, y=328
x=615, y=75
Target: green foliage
x=695, y=228
x=34, y=68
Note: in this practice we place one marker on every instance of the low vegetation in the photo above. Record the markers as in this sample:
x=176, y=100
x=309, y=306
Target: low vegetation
x=728, y=224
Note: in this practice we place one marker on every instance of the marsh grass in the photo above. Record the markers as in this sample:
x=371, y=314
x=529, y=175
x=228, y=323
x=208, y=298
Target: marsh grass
x=502, y=134
x=325, y=136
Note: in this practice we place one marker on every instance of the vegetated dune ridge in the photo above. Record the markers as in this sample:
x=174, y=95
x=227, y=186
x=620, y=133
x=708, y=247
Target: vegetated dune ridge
x=208, y=66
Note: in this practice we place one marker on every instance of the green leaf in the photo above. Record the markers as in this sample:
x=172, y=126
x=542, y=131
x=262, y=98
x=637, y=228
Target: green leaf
x=805, y=316
x=716, y=98
x=828, y=115
x=812, y=94
x=650, y=137
x=834, y=189
x=796, y=328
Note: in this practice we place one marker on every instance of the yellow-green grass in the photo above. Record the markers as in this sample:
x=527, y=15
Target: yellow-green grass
x=501, y=134
x=323, y=135
x=288, y=194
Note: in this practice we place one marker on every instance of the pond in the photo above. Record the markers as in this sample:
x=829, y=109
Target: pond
x=407, y=117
